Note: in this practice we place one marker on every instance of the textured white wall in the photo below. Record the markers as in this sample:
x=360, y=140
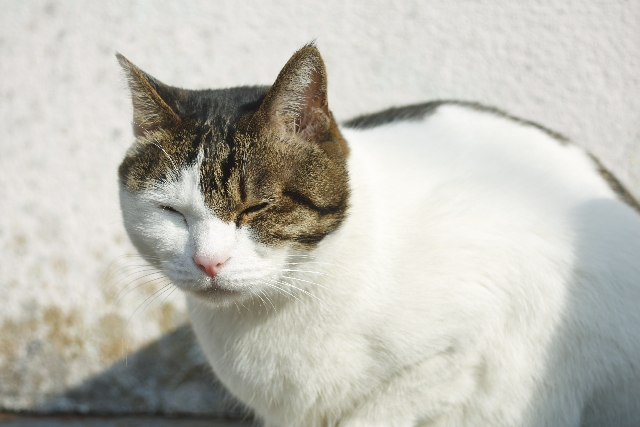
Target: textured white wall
x=572, y=66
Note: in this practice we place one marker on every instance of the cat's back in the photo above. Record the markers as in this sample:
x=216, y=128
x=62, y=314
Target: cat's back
x=442, y=143
x=509, y=227
x=466, y=161
x=441, y=171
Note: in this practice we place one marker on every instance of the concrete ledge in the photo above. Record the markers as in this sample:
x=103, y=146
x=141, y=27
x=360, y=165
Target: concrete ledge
x=17, y=420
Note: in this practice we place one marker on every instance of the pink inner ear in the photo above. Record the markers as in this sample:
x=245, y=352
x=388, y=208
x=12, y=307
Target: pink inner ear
x=312, y=101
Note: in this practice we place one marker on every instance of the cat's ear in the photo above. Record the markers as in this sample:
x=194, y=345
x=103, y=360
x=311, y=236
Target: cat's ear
x=297, y=101
x=151, y=100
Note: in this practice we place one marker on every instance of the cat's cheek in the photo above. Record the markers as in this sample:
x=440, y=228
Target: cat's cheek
x=270, y=254
x=158, y=238
x=252, y=265
x=134, y=223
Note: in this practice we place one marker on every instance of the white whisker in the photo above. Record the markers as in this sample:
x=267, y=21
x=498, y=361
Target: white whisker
x=165, y=298
x=316, y=262
x=282, y=291
x=306, y=281
x=116, y=299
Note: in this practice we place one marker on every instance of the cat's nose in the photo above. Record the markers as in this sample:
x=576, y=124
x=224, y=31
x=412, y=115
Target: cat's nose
x=210, y=264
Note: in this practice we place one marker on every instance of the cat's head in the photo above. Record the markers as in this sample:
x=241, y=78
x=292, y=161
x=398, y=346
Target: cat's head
x=221, y=186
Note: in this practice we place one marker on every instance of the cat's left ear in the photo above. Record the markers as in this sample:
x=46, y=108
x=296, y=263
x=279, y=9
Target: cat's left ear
x=154, y=103
x=297, y=101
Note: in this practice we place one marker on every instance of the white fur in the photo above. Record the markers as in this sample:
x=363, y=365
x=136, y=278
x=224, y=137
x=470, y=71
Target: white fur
x=485, y=276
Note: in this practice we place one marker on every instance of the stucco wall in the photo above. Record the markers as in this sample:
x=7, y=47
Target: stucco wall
x=71, y=308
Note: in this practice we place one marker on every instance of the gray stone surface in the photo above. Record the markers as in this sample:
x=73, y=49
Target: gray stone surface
x=169, y=376
x=30, y=421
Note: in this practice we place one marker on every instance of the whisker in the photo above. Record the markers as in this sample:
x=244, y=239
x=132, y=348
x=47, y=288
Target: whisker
x=199, y=305
x=263, y=302
x=110, y=268
x=270, y=302
x=165, y=298
x=164, y=289
x=316, y=262
x=110, y=271
x=309, y=272
x=118, y=258
x=306, y=281
x=131, y=266
x=280, y=282
x=299, y=289
x=282, y=291
x=140, y=270
x=130, y=273
x=134, y=281
x=129, y=321
x=136, y=310
x=162, y=283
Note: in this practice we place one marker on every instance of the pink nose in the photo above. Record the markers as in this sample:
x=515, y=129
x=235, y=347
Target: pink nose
x=210, y=264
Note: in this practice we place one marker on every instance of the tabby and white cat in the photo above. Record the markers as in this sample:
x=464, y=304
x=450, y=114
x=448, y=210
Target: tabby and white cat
x=449, y=266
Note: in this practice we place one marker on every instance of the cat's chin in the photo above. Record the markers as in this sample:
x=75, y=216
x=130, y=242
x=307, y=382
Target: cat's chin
x=216, y=295
x=215, y=292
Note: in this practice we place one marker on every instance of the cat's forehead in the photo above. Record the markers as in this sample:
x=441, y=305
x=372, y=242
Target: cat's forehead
x=234, y=167
x=209, y=127
x=165, y=166
x=218, y=106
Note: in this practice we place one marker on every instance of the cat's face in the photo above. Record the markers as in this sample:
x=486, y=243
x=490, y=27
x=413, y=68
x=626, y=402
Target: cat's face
x=221, y=186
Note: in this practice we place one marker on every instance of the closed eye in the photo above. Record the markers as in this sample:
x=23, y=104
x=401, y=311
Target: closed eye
x=172, y=210
x=251, y=209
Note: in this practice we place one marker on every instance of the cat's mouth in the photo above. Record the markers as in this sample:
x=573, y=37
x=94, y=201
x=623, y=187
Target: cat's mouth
x=214, y=292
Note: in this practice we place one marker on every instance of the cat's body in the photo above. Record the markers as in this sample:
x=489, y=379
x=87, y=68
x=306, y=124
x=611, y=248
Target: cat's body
x=477, y=271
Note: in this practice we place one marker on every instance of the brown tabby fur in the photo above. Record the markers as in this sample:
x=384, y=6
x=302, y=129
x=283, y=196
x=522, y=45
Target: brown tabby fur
x=275, y=162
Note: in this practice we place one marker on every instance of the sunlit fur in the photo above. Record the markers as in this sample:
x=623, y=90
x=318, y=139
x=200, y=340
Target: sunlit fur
x=484, y=275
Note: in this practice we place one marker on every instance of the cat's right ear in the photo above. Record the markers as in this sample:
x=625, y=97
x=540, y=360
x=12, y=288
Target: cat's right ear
x=152, y=100
x=297, y=101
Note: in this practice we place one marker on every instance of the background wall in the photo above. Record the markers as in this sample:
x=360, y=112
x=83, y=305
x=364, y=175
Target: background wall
x=74, y=305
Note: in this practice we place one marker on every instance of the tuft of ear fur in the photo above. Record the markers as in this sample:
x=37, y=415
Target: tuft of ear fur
x=297, y=101
x=151, y=100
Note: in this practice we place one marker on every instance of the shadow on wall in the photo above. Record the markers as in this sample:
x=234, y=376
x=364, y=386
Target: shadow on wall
x=169, y=376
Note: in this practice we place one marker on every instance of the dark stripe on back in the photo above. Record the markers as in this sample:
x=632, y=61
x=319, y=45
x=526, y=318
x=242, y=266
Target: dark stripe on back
x=418, y=112
x=615, y=185
x=394, y=114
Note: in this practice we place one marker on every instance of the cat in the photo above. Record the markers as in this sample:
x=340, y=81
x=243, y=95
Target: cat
x=442, y=264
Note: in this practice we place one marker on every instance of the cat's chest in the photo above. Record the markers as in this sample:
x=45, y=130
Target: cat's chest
x=287, y=356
